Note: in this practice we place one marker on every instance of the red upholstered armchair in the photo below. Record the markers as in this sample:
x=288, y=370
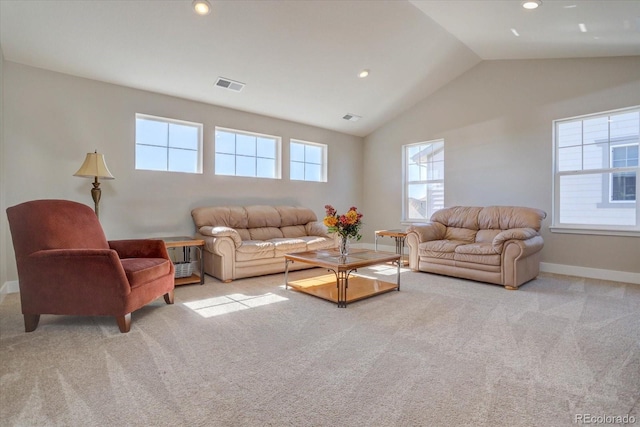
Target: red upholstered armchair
x=67, y=266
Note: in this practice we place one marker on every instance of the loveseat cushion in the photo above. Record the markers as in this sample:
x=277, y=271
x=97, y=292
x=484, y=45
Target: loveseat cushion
x=506, y=217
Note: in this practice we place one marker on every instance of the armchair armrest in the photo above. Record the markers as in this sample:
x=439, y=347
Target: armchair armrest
x=76, y=277
x=221, y=231
x=512, y=234
x=139, y=248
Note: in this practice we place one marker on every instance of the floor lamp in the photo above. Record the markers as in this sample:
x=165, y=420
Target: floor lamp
x=95, y=167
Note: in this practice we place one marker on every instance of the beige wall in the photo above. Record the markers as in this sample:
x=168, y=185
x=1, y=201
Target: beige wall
x=52, y=120
x=496, y=121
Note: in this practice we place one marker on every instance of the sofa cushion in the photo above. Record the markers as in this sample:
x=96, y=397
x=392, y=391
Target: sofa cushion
x=458, y=216
x=262, y=216
x=244, y=233
x=315, y=243
x=228, y=216
x=294, y=231
x=255, y=249
x=288, y=245
x=295, y=215
x=460, y=234
x=506, y=217
x=265, y=233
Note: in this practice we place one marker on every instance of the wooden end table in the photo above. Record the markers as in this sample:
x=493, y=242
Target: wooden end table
x=185, y=243
x=399, y=236
x=339, y=287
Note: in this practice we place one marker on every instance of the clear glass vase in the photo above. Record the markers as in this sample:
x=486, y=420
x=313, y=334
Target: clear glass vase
x=344, y=246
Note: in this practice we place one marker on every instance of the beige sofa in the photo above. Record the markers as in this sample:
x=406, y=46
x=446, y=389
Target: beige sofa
x=245, y=241
x=495, y=244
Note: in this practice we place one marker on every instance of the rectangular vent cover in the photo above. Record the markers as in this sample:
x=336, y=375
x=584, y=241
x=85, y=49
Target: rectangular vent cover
x=351, y=117
x=229, y=84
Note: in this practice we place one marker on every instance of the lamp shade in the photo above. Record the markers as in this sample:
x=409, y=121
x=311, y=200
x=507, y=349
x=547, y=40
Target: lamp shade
x=94, y=167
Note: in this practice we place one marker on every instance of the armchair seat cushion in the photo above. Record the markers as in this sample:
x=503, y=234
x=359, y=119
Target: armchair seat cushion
x=143, y=270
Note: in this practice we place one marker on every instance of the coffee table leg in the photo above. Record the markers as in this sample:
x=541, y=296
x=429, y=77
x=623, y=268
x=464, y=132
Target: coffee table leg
x=398, y=273
x=286, y=273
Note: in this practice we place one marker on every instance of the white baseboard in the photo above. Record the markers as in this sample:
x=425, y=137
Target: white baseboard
x=591, y=273
x=10, y=287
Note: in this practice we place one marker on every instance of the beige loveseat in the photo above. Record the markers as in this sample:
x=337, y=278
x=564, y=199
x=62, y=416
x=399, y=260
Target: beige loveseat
x=494, y=244
x=244, y=241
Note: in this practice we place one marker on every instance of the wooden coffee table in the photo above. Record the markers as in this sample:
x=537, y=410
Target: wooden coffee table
x=339, y=287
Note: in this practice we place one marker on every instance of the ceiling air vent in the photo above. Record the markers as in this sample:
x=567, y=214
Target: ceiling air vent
x=229, y=84
x=351, y=117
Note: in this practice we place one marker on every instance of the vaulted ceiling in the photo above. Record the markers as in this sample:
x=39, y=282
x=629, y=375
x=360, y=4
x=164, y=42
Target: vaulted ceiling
x=300, y=60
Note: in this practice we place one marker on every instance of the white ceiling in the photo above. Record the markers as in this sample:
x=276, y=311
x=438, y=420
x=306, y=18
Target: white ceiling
x=300, y=59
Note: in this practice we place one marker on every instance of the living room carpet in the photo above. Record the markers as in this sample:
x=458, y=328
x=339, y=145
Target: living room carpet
x=441, y=352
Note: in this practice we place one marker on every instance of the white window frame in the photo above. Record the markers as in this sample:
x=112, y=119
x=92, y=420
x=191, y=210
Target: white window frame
x=323, y=165
x=278, y=154
x=597, y=229
x=169, y=121
x=406, y=182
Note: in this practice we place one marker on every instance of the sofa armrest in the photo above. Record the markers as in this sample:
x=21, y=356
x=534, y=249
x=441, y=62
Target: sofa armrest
x=419, y=233
x=316, y=228
x=221, y=231
x=428, y=231
x=512, y=234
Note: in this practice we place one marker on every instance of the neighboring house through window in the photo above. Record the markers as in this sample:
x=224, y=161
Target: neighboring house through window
x=168, y=145
x=423, y=189
x=247, y=154
x=308, y=161
x=596, y=168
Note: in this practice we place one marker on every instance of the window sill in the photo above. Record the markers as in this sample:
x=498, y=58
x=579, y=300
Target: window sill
x=594, y=231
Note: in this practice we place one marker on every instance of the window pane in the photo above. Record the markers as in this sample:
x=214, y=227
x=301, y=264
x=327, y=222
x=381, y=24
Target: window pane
x=225, y=142
x=297, y=152
x=436, y=171
x=313, y=154
x=582, y=201
x=570, y=159
x=151, y=158
x=266, y=168
x=181, y=136
x=297, y=171
x=245, y=145
x=595, y=130
x=595, y=156
x=225, y=164
x=266, y=148
x=625, y=125
x=569, y=134
x=151, y=132
x=183, y=160
x=245, y=166
x=623, y=186
x=312, y=172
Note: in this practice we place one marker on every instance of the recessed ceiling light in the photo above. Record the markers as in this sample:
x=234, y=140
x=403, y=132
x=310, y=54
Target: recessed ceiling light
x=351, y=117
x=582, y=27
x=201, y=7
x=531, y=4
x=364, y=73
x=515, y=32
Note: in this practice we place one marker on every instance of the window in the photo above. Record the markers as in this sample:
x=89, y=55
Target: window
x=423, y=170
x=168, y=145
x=247, y=154
x=308, y=161
x=596, y=165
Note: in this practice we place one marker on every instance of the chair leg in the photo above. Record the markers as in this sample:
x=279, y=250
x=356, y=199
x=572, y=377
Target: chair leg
x=31, y=322
x=168, y=297
x=124, y=323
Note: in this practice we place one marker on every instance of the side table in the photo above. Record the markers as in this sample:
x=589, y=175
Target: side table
x=186, y=243
x=399, y=236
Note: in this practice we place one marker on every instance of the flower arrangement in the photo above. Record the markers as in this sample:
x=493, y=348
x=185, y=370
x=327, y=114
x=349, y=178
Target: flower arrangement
x=347, y=225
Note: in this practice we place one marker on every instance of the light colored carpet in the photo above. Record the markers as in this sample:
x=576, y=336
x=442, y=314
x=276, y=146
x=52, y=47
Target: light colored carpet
x=441, y=352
